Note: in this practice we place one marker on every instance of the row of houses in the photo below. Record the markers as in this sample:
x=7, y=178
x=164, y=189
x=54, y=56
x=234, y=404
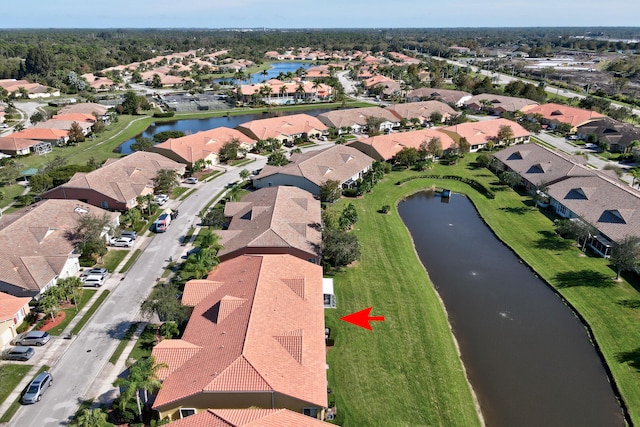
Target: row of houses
x=577, y=192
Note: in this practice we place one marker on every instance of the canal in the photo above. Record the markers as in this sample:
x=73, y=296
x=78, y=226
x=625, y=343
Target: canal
x=527, y=356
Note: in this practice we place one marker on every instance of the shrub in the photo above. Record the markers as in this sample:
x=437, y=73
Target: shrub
x=385, y=209
x=166, y=114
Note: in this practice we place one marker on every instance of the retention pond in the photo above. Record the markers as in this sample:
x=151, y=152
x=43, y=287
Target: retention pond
x=528, y=357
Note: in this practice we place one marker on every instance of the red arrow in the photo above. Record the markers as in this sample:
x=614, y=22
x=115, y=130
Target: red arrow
x=361, y=318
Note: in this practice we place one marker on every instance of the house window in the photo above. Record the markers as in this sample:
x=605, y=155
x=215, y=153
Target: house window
x=104, y=204
x=185, y=412
x=310, y=412
x=311, y=260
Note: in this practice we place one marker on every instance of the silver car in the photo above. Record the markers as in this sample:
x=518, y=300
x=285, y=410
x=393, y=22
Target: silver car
x=32, y=338
x=18, y=353
x=37, y=388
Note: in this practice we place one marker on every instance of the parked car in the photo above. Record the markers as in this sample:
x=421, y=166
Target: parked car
x=130, y=234
x=161, y=199
x=95, y=272
x=32, y=338
x=3, y=125
x=191, y=180
x=94, y=281
x=122, y=242
x=37, y=388
x=18, y=353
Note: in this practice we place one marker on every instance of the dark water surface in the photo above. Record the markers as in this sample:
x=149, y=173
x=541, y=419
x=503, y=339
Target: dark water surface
x=273, y=72
x=528, y=357
x=198, y=125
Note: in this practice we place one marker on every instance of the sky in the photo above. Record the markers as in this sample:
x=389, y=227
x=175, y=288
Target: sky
x=318, y=14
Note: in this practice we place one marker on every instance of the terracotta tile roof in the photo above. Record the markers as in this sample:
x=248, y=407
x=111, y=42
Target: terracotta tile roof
x=499, y=103
x=174, y=353
x=11, y=305
x=275, y=218
x=558, y=113
x=478, y=133
x=454, y=97
x=338, y=163
x=200, y=145
x=84, y=108
x=539, y=165
x=248, y=418
x=62, y=124
x=43, y=134
x=286, y=126
x=240, y=351
x=10, y=143
x=76, y=117
x=34, y=242
x=422, y=110
x=199, y=290
x=385, y=147
x=122, y=179
x=356, y=116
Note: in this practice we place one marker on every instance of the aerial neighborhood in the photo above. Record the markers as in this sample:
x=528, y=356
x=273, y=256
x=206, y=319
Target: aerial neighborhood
x=219, y=212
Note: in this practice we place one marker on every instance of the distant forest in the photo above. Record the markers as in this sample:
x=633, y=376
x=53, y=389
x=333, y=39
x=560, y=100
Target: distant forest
x=48, y=56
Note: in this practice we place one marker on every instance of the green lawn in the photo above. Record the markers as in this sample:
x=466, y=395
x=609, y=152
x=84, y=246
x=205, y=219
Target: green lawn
x=113, y=258
x=10, y=376
x=15, y=405
x=131, y=260
x=70, y=313
x=410, y=356
x=145, y=343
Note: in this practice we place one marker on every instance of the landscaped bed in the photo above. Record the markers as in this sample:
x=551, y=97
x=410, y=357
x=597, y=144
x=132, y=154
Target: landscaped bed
x=406, y=371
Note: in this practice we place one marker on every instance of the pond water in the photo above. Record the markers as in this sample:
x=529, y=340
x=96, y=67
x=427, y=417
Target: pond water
x=274, y=71
x=527, y=356
x=198, y=125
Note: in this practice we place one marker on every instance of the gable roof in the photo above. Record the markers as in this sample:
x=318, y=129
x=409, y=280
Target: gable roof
x=286, y=126
x=500, y=102
x=239, y=351
x=338, y=163
x=421, y=110
x=34, y=242
x=478, y=133
x=385, y=147
x=124, y=178
x=356, y=116
x=253, y=417
x=9, y=143
x=200, y=145
x=273, y=218
x=44, y=134
x=454, y=97
x=611, y=131
x=11, y=305
x=84, y=108
x=562, y=113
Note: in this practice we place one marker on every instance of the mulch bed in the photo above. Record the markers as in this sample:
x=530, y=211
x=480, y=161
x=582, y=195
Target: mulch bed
x=50, y=324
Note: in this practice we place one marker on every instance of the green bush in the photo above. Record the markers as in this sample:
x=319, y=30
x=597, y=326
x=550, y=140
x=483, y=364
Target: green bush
x=162, y=115
x=385, y=209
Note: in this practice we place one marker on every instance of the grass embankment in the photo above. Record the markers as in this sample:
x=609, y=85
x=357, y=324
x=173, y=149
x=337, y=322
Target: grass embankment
x=123, y=343
x=131, y=260
x=409, y=356
x=10, y=376
x=70, y=313
x=6, y=417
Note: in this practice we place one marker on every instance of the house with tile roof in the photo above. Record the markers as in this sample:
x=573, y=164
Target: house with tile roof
x=422, y=110
x=312, y=169
x=89, y=108
x=55, y=137
x=285, y=129
x=203, y=145
x=275, y=220
x=21, y=146
x=448, y=96
x=385, y=147
x=32, y=90
x=497, y=104
x=76, y=117
x=255, y=339
x=248, y=418
x=36, y=246
x=118, y=182
x=64, y=125
x=356, y=119
x=617, y=136
x=554, y=114
x=13, y=310
x=478, y=134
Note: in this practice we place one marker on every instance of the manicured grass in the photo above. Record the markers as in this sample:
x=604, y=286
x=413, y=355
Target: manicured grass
x=242, y=162
x=113, y=258
x=123, y=343
x=178, y=191
x=10, y=376
x=187, y=236
x=211, y=175
x=70, y=313
x=187, y=194
x=410, y=356
x=134, y=256
x=10, y=192
x=145, y=343
x=78, y=327
x=6, y=417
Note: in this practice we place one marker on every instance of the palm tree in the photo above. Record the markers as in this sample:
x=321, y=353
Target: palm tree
x=264, y=75
x=283, y=90
x=300, y=90
x=143, y=375
x=92, y=418
x=268, y=91
x=635, y=174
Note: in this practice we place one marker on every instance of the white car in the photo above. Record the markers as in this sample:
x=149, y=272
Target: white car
x=122, y=242
x=161, y=199
x=191, y=180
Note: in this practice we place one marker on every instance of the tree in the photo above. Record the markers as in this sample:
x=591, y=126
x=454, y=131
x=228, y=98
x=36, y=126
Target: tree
x=143, y=375
x=505, y=134
x=38, y=116
x=169, y=329
x=132, y=103
x=277, y=159
x=168, y=134
x=436, y=117
x=575, y=229
x=68, y=287
x=10, y=171
x=635, y=173
x=199, y=264
x=165, y=181
x=49, y=304
x=142, y=144
x=512, y=179
x=40, y=183
x=156, y=81
x=407, y=156
x=213, y=218
x=433, y=147
x=348, y=217
x=244, y=174
x=339, y=248
x=463, y=146
x=373, y=125
x=484, y=160
x=330, y=191
x=165, y=303
x=625, y=254
x=229, y=151
x=75, y=133
x=92, y=418
x=89, y=231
